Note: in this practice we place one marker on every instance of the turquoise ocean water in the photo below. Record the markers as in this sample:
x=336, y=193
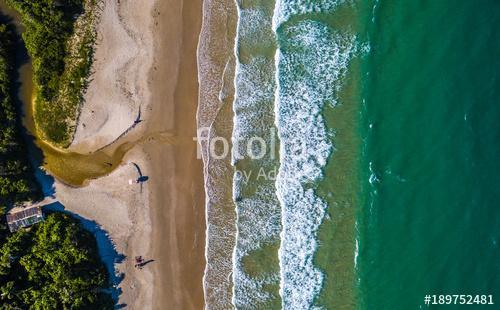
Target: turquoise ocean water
x=430, y=223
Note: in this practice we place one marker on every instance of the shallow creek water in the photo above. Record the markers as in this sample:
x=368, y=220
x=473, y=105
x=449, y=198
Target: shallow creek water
x=69, y=167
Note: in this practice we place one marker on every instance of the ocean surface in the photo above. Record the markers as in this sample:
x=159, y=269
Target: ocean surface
x=364, y=155
x=430, y=221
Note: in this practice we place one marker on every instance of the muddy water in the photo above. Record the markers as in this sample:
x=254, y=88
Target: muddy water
x=69, y=167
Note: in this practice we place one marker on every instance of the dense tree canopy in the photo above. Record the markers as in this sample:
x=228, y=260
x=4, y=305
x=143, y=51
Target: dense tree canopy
x=54, y=265
x=48, y=25
x=61, y=64
x=15, y=172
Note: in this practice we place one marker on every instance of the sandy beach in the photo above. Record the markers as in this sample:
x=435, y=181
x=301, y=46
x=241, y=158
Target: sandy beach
x=123, y=229
x=178, y=207
x=145, y=70
x=118, y=93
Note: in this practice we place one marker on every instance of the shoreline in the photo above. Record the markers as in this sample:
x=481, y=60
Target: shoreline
x=216, y=64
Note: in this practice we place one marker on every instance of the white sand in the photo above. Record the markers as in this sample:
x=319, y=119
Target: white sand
x=118, y=87
x=122, y=211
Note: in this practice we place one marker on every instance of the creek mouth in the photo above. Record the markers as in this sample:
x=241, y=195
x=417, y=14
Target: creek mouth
x=71, y=168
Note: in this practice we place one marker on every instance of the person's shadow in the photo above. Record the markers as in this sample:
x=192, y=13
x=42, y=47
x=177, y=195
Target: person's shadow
x=142, y=178
x=147, y=262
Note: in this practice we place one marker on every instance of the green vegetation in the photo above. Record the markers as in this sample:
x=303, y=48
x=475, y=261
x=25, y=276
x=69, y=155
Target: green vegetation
x=59, y=35
x=15, y=171
x=52, y=265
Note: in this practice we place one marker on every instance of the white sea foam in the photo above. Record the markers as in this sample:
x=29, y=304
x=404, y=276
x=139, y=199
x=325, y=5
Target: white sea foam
x=310, y=65
x=257, y=207
x=285, y=9
x=356, y=251
x=373, y=175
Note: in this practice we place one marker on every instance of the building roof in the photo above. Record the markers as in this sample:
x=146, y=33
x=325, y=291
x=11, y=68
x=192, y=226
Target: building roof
x=24, y=217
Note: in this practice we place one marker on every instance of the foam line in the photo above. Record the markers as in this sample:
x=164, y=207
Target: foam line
x=310, y=65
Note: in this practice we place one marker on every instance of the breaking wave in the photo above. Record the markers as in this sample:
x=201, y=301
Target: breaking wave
x=311, y=62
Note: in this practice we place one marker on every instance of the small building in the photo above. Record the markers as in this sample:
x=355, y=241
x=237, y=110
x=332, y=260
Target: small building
x=21, y=217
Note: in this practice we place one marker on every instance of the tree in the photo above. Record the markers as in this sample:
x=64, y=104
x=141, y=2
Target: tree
x=55, y=265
